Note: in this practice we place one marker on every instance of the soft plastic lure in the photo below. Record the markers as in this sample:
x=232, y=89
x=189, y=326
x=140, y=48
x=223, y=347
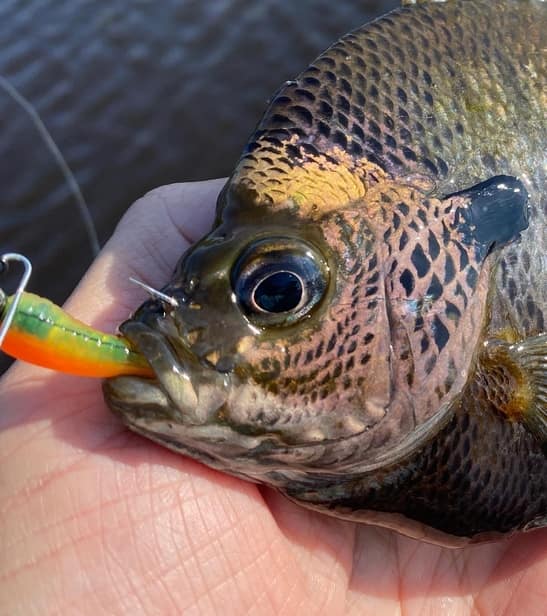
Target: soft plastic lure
x=42, y=333
x=38, y=331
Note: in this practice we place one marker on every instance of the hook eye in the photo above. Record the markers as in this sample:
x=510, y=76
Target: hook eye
x=5, y=261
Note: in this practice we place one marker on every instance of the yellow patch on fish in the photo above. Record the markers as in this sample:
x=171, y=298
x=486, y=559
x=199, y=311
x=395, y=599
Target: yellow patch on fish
x=315, y=183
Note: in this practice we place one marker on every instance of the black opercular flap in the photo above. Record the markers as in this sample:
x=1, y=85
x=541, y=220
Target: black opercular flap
x=496, y=211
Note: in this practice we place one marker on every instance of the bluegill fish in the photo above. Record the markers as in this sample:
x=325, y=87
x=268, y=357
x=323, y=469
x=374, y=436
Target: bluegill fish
x=364, y=326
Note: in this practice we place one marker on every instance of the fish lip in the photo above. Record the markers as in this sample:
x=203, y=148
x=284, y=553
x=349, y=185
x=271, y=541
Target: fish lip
x=171, y=395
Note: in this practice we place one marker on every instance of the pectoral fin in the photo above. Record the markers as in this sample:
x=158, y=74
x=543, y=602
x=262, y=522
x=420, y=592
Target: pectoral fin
x=525, y=393
x=531, y=356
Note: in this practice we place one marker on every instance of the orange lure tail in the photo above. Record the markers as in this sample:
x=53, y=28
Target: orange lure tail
x=41, y=333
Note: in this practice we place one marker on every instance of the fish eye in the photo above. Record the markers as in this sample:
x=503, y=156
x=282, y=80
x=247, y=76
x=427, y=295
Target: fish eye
x=279, y=280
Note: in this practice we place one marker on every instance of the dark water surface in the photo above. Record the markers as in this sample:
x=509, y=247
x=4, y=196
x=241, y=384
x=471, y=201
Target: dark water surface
x=137, y=94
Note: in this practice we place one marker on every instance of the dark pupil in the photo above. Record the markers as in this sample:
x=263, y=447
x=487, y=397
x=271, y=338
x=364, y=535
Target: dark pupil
x=279, y=292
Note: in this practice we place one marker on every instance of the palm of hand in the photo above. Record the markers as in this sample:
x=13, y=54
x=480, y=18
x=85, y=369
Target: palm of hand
x=97, y=520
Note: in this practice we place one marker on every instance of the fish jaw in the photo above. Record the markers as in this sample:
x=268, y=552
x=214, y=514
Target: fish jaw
x=177, y=409
x=145, y=408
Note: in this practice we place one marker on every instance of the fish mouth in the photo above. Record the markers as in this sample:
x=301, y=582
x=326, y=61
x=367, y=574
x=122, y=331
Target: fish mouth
x=180, y=407
x=179, y=378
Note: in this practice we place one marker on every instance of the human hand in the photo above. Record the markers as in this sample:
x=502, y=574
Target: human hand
x=97, y=520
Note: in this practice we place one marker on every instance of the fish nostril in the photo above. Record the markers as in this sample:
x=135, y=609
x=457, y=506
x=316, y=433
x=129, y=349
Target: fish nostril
x=178, y=293
x=192, y=284
x=187, y=286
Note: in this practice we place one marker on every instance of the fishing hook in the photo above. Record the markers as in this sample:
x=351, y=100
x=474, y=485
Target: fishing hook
x=162, y=297
x=5, y=260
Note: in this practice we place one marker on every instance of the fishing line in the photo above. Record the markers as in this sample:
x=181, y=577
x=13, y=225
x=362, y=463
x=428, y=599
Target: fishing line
x=63, y=165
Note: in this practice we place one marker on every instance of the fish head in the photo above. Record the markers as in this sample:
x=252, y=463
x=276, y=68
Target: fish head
x=308, y=340
x=269, y=355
